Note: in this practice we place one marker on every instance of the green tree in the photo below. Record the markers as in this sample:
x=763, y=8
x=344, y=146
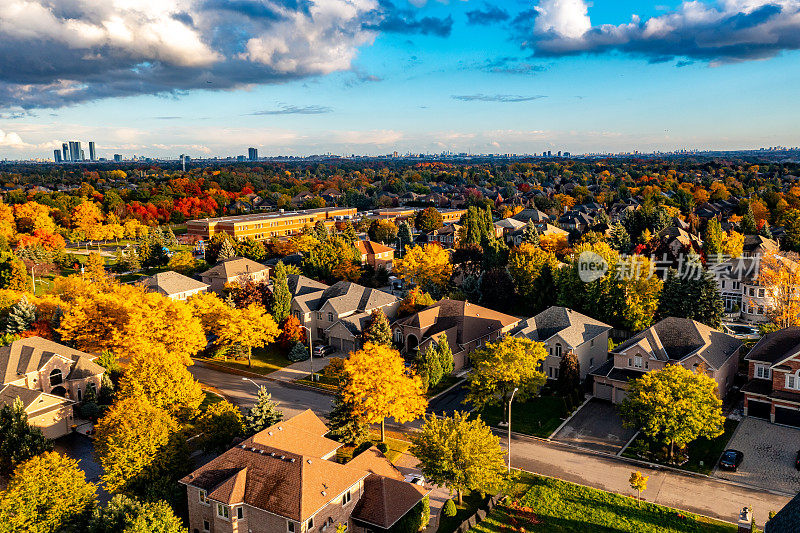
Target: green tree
x=21, y=316
x=128, y=515
x=674, y=405
x=428, y=220
x=349, y=232
x=321, y=231
x=378, y=330
x=344, y=421
x=445, y=355
x=19, y=441
x=220, y=424
x=429, y=366
x=713, y=239
x=382, y=231
x=694, y=295
x=459, y=453
x=264, y=413
x=449, y=510
x=281, y=297
x=405, y=236
x=46, y=494
x=226, y=251
x=544, y=292
x=530, y=234
x=501, y=366
x=569, y=375
x=748, y=223
x=619, y=238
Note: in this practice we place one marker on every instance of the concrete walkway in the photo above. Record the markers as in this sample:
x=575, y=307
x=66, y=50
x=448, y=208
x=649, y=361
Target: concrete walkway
x=300, y=369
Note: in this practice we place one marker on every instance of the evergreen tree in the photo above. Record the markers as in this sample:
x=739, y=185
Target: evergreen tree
x=691, y=296
x=569, y=374
x=226, y=251
x=128, y=515
x=345, y=425
x=378, y=330
x=20, y=317
x=405, y=236
x=320, y=231
x=530, y=235
x=170, y=240
x=545, y=290
x=263, y=414
x=349, y=232
x=748, y=223
x=445, y=355
x=619, y=238
x=766, y=232
x=281, y=297
x=299, y=352
x=713, y=238
x=19, y=441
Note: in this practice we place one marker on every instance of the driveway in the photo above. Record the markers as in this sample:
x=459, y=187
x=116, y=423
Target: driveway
x=596, y=426
x=80, y=448
x=452, y=400
x=769, y=454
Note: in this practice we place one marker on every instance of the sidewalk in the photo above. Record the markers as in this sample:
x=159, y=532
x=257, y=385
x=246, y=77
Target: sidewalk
x=300, y=369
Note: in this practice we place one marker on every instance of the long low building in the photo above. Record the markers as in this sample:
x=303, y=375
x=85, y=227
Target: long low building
x=262, y=226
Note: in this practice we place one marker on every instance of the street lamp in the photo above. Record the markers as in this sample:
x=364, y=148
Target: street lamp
x=33, y=279
x=253, y=382
x=509, y=427
x=310, y=350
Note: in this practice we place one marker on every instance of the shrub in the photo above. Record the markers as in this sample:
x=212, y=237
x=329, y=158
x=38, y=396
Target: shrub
x=449, y=508
x=299, y=352
x=364, y=446
x=382, y=447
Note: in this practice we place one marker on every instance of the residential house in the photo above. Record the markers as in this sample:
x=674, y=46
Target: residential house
x=234, y=270
x=773, y=389
x=576, y=221
x=668, y=342
x=563, y=330
x=173, y=285
x=467, y=326
x=49, y=378
x=285, y=479
x=336, y=315
x=375, y=254
x=446, y=236
x=531, y=214
x=758, y=246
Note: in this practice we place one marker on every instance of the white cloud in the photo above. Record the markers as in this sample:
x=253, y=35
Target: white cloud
x=567, y=18
x=11, y=140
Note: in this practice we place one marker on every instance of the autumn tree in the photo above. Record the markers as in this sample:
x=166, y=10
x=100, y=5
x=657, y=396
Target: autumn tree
x=525, y=263
x=46, y=494
x=129, y=515
x=379, y=386
x=247, y=328
x=378, y=330
x=220, y=424
x=19, y=441
x=501, y=366
x=292, y=332
x=713, y=239
x=138, y=444
x=414, y=301
x=382, y=231
x=264, y=413
x=732, y=245
x=87, y=219
x=405, y=236
x=428, y=366
x=281, y=297
x=460, y=453
x=428, y=220
x=13, y=274
x=182, y=262
x=638, y=482
x=674, y=405
x=427, y=266
x=780, y=276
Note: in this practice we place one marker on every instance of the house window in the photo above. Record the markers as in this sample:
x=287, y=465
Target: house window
x=330, y=317
x=760, y=309
x=630, y=361
x=752, y=291
x=558, y=350
x=591, y=342
x=202, y=496
x=736, y=285
x=591, y=363
x=310, y=523
x=723, y=283
x=762, y=371
x=346, y=498
x=223, y=511
x=760, y=293
x=550, y=371
x=555, y=372
x=319, y=316
x=637, y=361
x=56, y=377
x=290, y=527
x=206, y=525
x=550, y=350
x=239, y=513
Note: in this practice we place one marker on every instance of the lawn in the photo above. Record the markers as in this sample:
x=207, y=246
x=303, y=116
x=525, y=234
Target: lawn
x=328, y=383
x=702, y=450
x=557, y=506
x=447, y=382
x=538, y=416
x=209, y=399
x=472, y=501
x=265, y=360
x=397, y=447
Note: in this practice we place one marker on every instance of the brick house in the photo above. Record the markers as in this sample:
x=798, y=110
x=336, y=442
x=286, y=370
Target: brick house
x=234, y=270
x=49, y=378
x=668, y=342
x=337, y=314
x=285, y=479
x=375, y=254
x=773, y=389
x=563, y=330
x=467, y=326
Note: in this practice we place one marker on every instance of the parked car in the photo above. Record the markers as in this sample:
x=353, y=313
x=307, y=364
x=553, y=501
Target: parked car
x=797, y=460
x=731, y=459
x=416, y=479
x=320, y=350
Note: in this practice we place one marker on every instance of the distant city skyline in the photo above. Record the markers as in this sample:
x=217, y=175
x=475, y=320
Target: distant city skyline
x=371, y=76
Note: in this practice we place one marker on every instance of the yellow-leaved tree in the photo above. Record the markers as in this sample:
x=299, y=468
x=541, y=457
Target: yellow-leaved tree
x=250, y=327
x=378, y=386
x=428, y=266
x=780, y=275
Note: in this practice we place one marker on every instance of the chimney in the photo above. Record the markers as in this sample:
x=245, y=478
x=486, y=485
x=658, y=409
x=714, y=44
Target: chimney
x=745, y=521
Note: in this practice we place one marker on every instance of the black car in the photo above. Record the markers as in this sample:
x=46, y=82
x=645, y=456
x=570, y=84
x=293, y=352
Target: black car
x=797, y=460
x=731, y=459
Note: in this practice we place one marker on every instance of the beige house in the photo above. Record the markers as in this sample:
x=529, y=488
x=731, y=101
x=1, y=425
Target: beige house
x=671, y=341
x=285, y=479
x=234, y=270
x=173, y=285
x=375, y=254
x=467, y=326
x=49, y=378
x=563, y=330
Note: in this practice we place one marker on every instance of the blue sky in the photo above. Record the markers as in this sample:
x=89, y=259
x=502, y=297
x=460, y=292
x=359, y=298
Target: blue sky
x=212, y=77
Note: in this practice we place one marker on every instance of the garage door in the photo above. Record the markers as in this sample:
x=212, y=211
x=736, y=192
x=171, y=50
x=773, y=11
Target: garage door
x=619, y=395
x=758, y=409
x=347, y=346
x=789, y=417
x=603, y=391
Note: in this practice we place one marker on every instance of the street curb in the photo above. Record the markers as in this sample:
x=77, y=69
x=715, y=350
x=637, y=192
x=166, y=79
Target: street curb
x=564, y=423
x=619, y=453
x=448, y=389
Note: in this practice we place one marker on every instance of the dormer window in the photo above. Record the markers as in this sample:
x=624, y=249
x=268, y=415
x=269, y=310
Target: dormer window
x=202, y=496
x=56, y=377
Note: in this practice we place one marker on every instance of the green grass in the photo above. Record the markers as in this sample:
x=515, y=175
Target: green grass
x=397, y=447
x=264, y=360
x=702, y=450
x=446, y=383
x=209, y=399
x=556, y=506
x=538, y=416
x=472, y=501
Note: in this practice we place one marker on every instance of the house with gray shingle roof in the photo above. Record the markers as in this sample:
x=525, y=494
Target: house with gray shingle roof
x=337, y=314
x=670, y=341
x=234, y=270
x=49, y=378
x=173, y=285
x=563, y=330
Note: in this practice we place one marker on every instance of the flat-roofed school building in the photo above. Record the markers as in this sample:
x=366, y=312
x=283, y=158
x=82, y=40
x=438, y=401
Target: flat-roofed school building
x=261, y=226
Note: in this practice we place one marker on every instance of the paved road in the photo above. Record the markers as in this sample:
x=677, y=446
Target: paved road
x=702, y=495
x=291, y=398
x=452, y=400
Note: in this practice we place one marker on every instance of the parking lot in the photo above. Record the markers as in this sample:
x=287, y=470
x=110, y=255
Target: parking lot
x=597, y=426
x=769, y=455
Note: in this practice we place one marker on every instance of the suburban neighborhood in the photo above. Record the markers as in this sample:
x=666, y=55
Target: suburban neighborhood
x=570, y=350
